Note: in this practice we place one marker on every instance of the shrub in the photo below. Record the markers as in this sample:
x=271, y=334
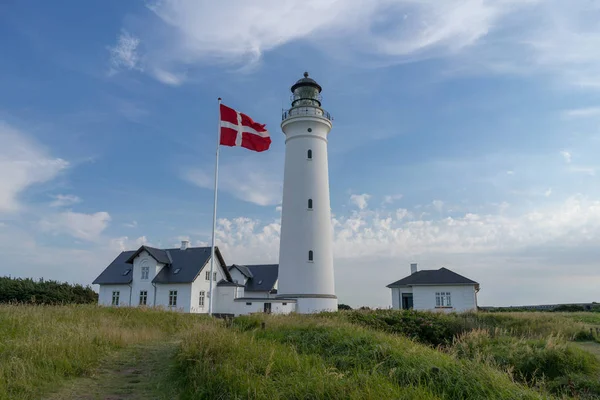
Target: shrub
x=214, y=363
x=530, y=361
x=353, y=349
x=344, y=307
x=18, y=290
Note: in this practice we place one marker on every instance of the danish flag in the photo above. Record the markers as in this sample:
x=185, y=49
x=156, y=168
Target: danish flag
x=240, y=130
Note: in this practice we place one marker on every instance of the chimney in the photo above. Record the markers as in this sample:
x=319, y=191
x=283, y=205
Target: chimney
x=413, y=268
x=185, y=244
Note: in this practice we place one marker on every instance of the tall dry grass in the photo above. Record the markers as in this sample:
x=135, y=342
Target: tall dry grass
x=40, y=346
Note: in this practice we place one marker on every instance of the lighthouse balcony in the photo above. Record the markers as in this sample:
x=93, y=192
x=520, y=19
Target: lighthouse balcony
x=305, y=111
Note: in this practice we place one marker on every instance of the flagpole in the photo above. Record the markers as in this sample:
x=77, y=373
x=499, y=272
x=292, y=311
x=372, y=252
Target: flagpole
x=214, y=227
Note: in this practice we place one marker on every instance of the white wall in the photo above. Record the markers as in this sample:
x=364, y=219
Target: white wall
x=397, y=296
x=302, y=229
x=236, y=275
x=144, y=259
x=257, y=306
x=313, y=305
x=202, y=284
x=105, y=294
x=462, y=296
x=183, y=296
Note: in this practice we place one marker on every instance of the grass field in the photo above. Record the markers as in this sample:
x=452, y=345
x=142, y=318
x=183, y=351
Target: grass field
x=89, y=352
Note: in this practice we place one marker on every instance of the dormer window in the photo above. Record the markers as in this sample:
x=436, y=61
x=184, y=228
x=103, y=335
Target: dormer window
x=145, y=272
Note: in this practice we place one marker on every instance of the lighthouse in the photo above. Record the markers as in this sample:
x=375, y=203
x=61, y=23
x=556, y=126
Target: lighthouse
x=305, y=253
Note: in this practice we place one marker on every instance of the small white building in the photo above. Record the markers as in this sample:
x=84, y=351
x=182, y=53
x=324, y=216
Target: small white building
x=179, y=279
x=434, y=290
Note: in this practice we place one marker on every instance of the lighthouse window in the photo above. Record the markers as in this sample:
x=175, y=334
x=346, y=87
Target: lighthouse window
x=309, y=154
x=310, y=255
x=310, y=129
x=310, y=204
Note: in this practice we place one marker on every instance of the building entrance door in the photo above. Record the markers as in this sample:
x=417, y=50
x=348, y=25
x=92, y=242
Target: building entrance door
x=267, y=308
x=407, y=301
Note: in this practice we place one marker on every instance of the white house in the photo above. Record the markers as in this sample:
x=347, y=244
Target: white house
x=179, y=279
x=434, y=290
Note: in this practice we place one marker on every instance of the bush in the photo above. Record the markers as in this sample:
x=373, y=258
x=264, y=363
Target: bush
x=427, y=327
x=568, y=308
x=19, y=290
x=214, y=363
x=541, y=361
x=344, y=307
x=356, y=350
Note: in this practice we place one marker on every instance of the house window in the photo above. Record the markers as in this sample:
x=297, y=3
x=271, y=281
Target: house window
x=214, y=276
x=310, y=255
x=143, y=297
x=115, y=298
x=309, y=154
x=310, y=204
x=207, y=275
x=202, y=297
x=248, y=304
x=172, y=298
x=443, y=299
x=145, y=272
x=284, y=304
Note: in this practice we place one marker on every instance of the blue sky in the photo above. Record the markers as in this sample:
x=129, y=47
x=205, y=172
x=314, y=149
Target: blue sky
x=466, y=135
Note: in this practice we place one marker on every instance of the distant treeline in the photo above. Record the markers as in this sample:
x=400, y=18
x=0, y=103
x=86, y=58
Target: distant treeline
x=26, y=290
x=594, y=307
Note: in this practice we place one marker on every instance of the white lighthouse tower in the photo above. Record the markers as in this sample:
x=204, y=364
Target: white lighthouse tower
x=305, y=254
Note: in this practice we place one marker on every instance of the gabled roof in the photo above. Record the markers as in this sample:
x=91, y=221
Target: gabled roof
x=113, y=274
x=183, y=266
x=442, y=276
x=158, y=254
x=243, y=270
x=263, y=276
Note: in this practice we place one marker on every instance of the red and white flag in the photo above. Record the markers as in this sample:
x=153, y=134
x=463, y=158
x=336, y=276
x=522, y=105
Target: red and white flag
x=240, y=130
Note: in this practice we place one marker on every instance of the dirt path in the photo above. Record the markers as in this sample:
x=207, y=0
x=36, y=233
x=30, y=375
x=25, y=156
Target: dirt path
x=135, y=373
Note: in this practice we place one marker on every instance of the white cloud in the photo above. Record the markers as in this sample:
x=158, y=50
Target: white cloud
x=82, y=226
x=582, y=112
x=23, y=163
x=491, y=35
x=132, y=224
x=124, y=55
x=438, y=205
x=566, y=155
x=486, y=247
x=360, y=200
x=389, y=199
x=548, y=192
x=245, y=180
x=62, y=200
x=583, y=170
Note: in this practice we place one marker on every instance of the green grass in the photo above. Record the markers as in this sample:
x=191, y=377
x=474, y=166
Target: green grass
x=215, y=363
x=351, y=349
x=551, y=364
x=41, y=346
x=70, y=351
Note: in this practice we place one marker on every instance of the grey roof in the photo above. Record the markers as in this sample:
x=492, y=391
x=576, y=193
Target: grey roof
x=442, y=276
x=113, y=274
x=223, y=282
x=243, y=269
x=158, y=254
x=189, y=262
x=264, y=277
